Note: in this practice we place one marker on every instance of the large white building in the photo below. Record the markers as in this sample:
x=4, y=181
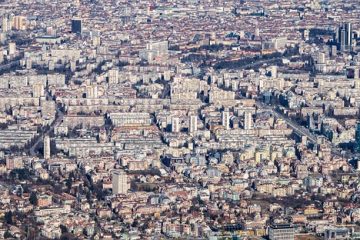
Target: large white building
x=120, y=183
x=175, y=124
x=130, y=119
x=47, y=149
x=248, y=121
x=193, y=124
x=225, y=119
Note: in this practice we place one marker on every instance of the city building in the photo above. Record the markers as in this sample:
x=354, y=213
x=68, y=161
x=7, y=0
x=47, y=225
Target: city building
x=345, y=37
x=192, y=124
x=76, y=25
x=281, y=232
x=120, y=183
x=47, y=148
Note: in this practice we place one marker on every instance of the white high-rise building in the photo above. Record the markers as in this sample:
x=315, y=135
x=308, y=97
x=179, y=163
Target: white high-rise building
x=12, y=48
x=72, y=65
x=225, y=119
x=28, y=63
x=120, y=183
x=257, y=32
x=248, y=121
x=273, y=71
x=91, y=91
x=51, y=65
x=38, y=90
x=357, y=83
x=47, y=149
x=321, y=58
x=175, y=124
x=113, y=76
x=193, y=124
x=1, y=55
x=4, y=24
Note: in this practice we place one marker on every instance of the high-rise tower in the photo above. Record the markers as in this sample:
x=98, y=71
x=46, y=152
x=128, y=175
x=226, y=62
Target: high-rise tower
x=248, y=121
x=76, y=25
x=344, y=37
x=175, y=124
x=47, y=149
x=225, y=119
x=193, y=124
x=120, y=183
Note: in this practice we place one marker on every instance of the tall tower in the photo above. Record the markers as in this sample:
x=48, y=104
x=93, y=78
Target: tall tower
x=91, y=91
x=120, y=183
x=47, y=149
x=76, y=25
x=19, y=23
x=248, y=121
x=257, y=32
x=113, y=76
x=1, y=55
x=345, y=37
x=193, y=124
x=225, y=119
x=38, y=90
x=12, y=48
x=273, y=71
x=321, y=58
x=175, y=124
x=4, y=24
x=357, y=138
x=28, y=63
x=333, y=51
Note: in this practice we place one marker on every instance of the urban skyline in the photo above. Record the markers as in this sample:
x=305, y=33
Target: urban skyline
x=180, y=119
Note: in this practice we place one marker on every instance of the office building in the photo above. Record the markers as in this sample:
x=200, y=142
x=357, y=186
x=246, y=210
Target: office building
x=19, y=23
x=193, y=124
x=113, y=76
x=306, y=35
x=14, y=163
x=92, y=91
x=273, y=70
x=47, y=149
x=321, y=58
x=344, y=37
x=337, y=233
x=248, y=121
x=357, y=138
x=333, y=51
x=4, y=24
x=120, y=183
x=281, y=232
x=130, y=119
x=175, y=124
x=225, y=119
x=38, y=90
x=12, y=48
x=1, y=55
x=76, y=25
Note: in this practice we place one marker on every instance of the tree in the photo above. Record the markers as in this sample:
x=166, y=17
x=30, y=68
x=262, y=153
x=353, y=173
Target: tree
x=63, y=229
x=9, y=217
x=69, y=183
x=33, y=198
x=7, y=234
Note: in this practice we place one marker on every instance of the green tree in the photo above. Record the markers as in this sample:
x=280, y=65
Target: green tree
x=33, y=198
x=9, y=217
x=7, y=234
